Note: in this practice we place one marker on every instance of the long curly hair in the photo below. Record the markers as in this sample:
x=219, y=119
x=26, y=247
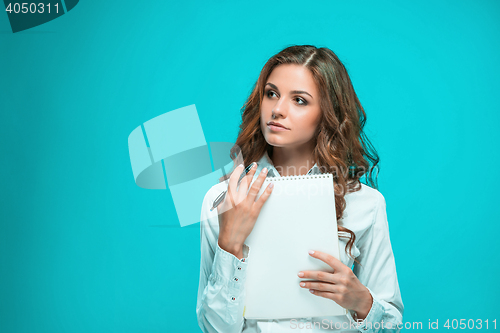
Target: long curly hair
x=341, y=146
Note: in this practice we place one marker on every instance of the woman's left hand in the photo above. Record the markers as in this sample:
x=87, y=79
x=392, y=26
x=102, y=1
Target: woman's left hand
x=341, y=286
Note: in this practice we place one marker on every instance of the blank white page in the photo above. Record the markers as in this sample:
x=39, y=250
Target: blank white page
x=298, y=216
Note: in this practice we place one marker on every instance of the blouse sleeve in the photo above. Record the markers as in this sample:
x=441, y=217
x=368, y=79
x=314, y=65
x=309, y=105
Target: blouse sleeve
x=222, y=276
x=378, y=274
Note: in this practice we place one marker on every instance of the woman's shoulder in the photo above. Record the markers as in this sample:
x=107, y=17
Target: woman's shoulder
x=209, y=199
x=215, y=190
x=366, y=193
x=209, y=221
x=361, y=206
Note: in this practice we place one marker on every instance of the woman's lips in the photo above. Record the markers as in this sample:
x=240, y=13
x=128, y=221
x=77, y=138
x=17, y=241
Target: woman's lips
x=277, y=128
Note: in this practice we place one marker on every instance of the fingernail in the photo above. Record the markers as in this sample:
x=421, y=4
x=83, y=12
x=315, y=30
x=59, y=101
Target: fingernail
x=302, y=284
x=301, y=274
x=312, y=291
x=271, y=185
x=311, y=252
x=264, y=170
x=241, y=165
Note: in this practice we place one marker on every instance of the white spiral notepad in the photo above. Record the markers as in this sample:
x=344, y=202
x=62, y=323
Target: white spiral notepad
x=298, y=216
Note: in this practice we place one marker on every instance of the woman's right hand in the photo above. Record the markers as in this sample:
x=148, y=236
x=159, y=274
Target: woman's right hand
x=240, y=210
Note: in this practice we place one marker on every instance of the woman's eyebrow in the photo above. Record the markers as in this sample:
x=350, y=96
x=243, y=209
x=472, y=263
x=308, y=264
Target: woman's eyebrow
x=293, y=91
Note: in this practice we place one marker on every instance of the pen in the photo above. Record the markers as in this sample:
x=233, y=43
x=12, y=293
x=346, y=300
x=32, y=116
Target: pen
x=221, y=196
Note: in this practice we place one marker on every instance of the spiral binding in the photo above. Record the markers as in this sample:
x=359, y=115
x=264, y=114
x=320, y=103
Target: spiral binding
x=301, y=177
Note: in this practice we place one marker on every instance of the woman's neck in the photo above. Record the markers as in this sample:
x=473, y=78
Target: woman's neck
x=292, y=162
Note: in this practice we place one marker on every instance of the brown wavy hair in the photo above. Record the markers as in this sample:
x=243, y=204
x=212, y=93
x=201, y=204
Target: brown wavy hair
x=341, y=146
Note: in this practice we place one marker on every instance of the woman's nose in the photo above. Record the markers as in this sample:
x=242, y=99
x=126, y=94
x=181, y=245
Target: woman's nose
x=280, y=109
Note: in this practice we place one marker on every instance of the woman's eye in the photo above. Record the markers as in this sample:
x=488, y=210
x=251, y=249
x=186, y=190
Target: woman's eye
x=269, y=92
x=302, y=100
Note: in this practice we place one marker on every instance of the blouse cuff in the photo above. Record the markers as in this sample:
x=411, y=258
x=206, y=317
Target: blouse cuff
x=372, y=322
x=229, y=268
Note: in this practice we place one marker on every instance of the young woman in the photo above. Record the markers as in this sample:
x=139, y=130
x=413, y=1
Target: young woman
x=303, y=116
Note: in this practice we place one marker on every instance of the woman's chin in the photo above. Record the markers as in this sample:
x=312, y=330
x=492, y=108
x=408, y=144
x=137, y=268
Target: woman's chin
x=274, y=143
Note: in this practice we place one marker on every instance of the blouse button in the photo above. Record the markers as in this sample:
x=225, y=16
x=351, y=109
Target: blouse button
x=235, y=279
x=239, y=268
x=233, y=298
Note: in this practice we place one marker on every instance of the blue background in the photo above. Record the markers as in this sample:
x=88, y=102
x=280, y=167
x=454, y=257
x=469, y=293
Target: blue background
x=79, y=250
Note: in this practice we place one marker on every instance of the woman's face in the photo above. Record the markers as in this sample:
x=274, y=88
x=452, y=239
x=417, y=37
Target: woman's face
x=292, y=93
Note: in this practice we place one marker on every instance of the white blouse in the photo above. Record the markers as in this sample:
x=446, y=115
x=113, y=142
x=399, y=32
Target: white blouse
x=221, y=290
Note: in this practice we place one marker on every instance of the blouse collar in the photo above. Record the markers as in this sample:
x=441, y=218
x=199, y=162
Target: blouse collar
x=266, y=162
